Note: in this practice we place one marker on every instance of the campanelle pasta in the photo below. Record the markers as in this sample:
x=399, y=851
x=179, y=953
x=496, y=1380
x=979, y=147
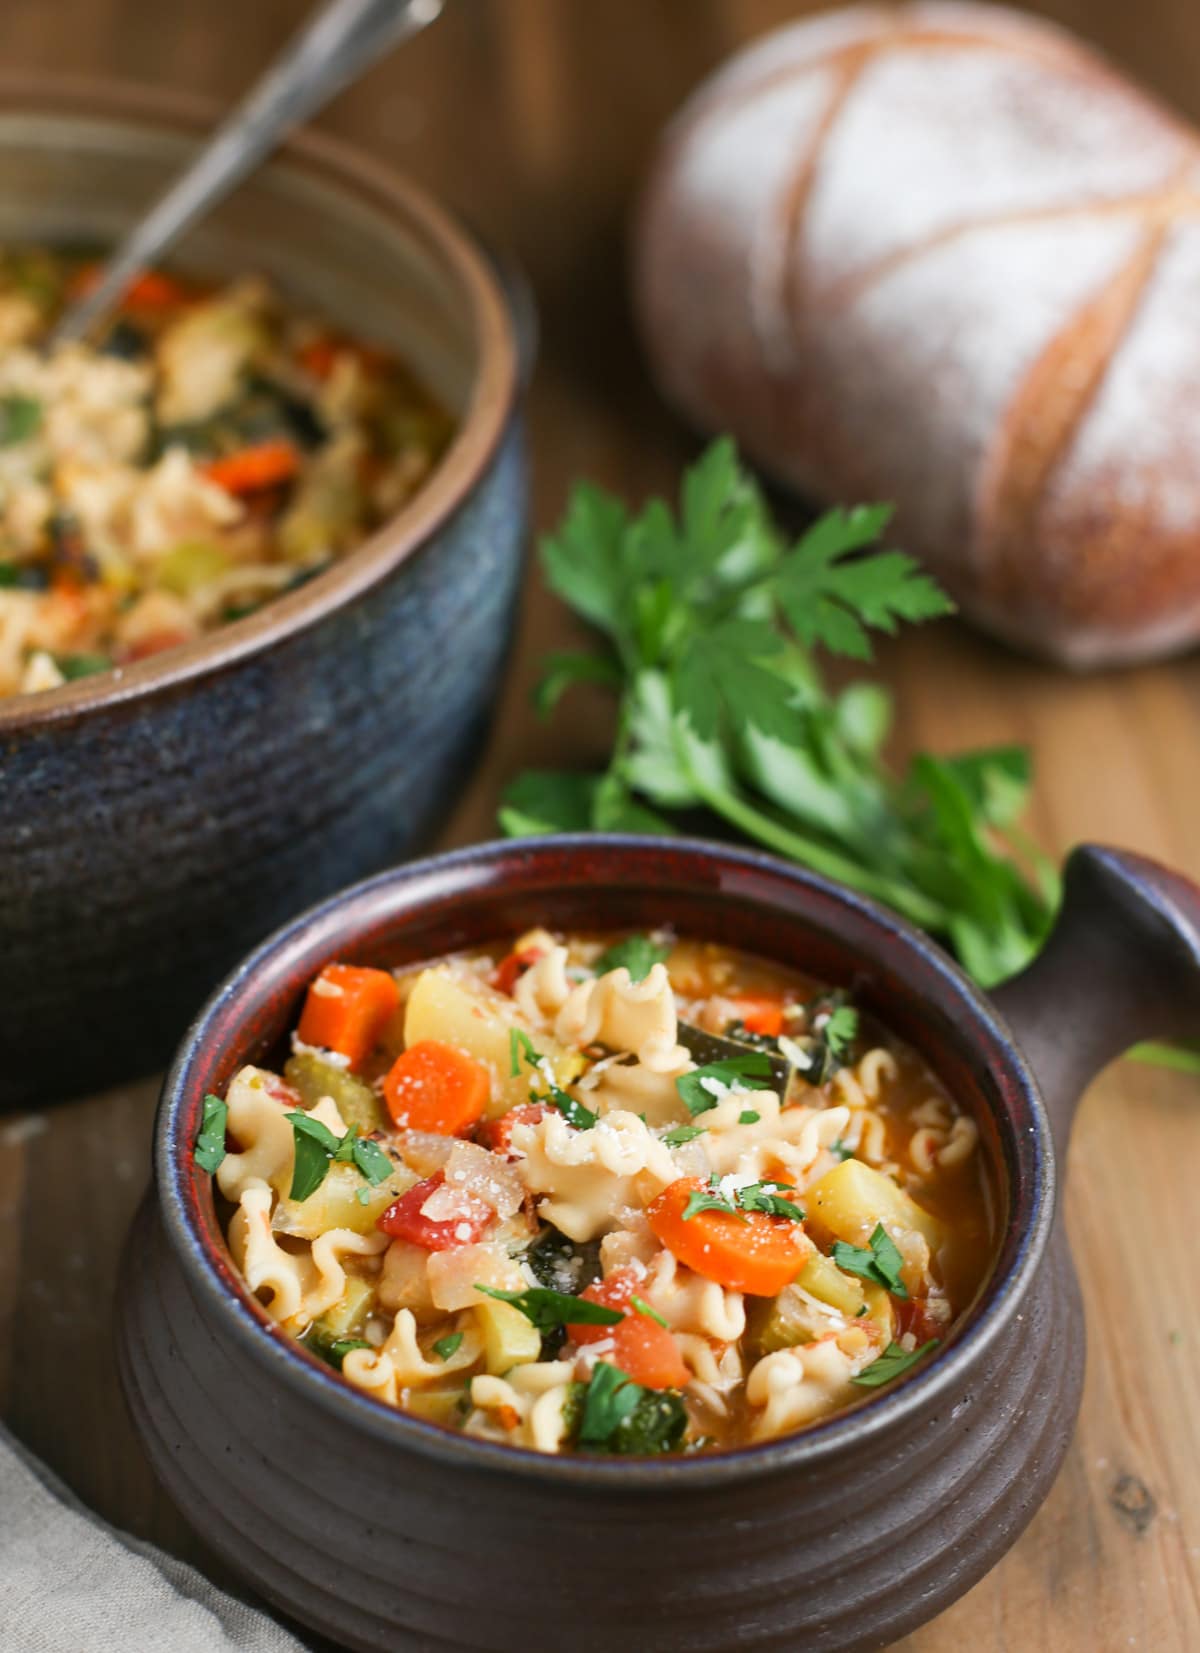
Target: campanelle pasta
x=576, y=1194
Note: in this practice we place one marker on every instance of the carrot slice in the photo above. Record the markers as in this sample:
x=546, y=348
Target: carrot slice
x=436, y=1087
x=758, y=1015
x=648, y=1353
x=346, y=1010
x=614, y=1292
x=152, y=290
x=749, y=1252
x=250, y=470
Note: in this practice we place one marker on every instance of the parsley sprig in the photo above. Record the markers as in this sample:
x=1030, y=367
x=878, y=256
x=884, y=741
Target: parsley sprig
x=710, y=618
x=210, y=1140
x=702, y=1088
x=546, y=1309
x=892, y=1363
x=638, y=954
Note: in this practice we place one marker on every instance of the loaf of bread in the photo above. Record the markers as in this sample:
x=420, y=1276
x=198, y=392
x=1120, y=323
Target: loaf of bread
x=944, y=255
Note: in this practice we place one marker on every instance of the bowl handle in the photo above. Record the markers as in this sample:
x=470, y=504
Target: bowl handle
x=1121, y=964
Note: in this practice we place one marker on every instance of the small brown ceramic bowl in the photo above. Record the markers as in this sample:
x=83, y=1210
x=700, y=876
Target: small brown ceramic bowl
x=159, y=820
x=386, y=1532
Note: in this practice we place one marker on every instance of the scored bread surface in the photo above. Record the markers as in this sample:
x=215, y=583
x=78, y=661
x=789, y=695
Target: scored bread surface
x=943, y=254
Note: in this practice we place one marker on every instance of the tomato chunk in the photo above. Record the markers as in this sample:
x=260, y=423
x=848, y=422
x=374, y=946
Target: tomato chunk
x=614, y=1292
x=649, y=1353
x=513, y=966
x=496, y=1134
x=404, y=1219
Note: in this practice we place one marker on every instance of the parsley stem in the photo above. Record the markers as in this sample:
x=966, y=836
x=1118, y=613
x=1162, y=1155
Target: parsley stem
x=741, y=814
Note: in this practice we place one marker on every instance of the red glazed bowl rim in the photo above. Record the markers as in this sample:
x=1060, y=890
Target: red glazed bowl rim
x=268, y=984
x=386, y=194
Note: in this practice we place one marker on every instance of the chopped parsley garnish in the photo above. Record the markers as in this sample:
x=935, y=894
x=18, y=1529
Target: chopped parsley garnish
x=520, y=1045
x=332, y=1350
x=317, y=1148
x=744, y=1073
x=766, y=1197
x=614, y=1414
x=210, y=1142
x=448, y=1345
x=748, y=1117
x=638, y=954
x=546, y=1309
x=840, y=1151
x=679, y=1134
x=817, y=1056
x=892, y=1363
x=881, y=1263
x=572, y=1111
x=611, y=1397
x=20, y=417
x=74, y=666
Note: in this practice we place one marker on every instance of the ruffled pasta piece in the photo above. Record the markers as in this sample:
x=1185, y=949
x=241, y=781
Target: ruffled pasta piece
x=932, y=1147
x=300, y=1285
x=791, y=1138
x=690, y=1303
x=638, y=1016
x=526, y=1408
x=632, y=1087
x=257, y=1122
x=866, y=1082
x=541, y=991
x=399, y=1364
x=794, y=1386
x=587, y=1177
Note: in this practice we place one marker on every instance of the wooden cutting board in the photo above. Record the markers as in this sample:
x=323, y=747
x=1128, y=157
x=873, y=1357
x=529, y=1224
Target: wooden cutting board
x=565, y=98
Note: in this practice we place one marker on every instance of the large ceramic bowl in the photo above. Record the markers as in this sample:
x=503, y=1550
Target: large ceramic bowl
x=386, y=1532
x=157, y=821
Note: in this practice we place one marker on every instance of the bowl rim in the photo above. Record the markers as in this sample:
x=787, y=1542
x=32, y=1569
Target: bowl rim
x=386, y=192
x=342, y=919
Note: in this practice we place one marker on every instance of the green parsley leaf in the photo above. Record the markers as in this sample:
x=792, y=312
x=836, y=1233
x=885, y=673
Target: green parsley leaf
x=840, y=1031
x=572, y=1111
x=679, y=1134
x=708, y=1199
x=766, y=1197
x=892, y=1363
x=448, y=1345
x=74, y=666
x=882, y=1263
x=546, y=1309
x=333, y=1350
x=738, y=1072
x=656, y=1424
x=611, y=1396
x=748, y=1117
x=642, y=1307
x=840, y=1151
x=520, y=1045
x=638, y=954
x=210, y=1142
x=711, y=621
x=20, y=418
x=371, y=1161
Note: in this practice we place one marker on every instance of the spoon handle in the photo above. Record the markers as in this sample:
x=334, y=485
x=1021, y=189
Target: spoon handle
x=341, y=40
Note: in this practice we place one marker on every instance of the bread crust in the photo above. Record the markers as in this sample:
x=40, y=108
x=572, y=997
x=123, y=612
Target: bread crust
x=942, y=254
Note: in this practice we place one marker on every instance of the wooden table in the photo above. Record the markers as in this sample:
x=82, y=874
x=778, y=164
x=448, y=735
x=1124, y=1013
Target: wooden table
x=563, y=98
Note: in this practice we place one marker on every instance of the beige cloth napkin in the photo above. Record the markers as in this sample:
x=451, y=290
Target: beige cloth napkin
x=71, y=1584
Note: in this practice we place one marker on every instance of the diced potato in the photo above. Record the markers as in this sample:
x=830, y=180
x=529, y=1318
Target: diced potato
x=848, y=1201
x=336, y=1204
x=823, y=1279
x=349, y=1314
x=453, y=1275
x=190, y=565
x=475, y=1019
x=509, y=1339
x=435, y=1405
x=356, y=1101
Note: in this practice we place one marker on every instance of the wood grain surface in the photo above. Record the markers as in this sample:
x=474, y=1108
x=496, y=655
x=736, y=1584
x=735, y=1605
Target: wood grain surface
x=536, y=117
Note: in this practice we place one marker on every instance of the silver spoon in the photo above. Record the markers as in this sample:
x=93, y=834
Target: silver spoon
x=342, y=40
